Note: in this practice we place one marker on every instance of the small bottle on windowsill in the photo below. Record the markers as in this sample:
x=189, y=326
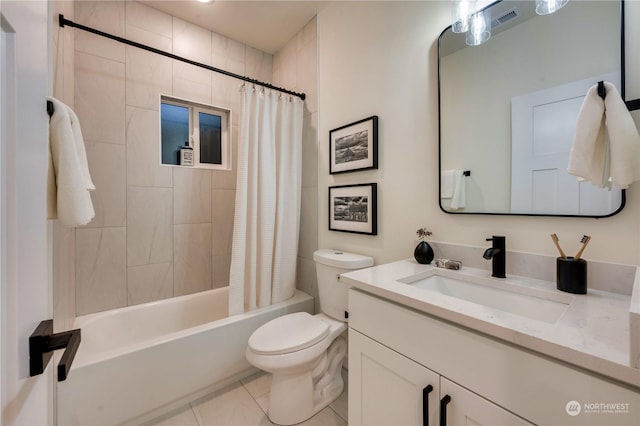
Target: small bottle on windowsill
x=186, y=155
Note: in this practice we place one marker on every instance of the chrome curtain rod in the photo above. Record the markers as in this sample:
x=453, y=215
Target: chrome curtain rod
x=65, y=22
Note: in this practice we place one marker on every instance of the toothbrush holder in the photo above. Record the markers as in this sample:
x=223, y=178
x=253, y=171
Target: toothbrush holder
x=571, y=275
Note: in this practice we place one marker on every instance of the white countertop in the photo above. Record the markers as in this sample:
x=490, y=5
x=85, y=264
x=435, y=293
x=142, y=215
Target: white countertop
x=593, y=332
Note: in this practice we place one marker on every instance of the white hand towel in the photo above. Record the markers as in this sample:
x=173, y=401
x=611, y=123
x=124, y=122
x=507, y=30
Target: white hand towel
x=459, y=191
x=68, y=197
x=447, y=183
x=600, y=159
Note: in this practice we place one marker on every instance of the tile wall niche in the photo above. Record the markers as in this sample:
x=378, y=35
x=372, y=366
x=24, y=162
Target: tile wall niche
x=161, y=231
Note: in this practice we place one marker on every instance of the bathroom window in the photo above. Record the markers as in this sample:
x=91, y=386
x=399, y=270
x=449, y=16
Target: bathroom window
x=204, y=129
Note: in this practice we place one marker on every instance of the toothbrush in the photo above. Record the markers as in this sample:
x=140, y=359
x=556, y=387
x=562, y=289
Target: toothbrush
x=585, y=240
x=554, y=237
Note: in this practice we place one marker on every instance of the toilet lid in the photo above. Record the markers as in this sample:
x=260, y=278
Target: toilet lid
x=288, y=333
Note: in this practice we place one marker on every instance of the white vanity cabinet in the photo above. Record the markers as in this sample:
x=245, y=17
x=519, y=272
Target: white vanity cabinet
x=389, y=388
x=386, y=388
x=396, y=352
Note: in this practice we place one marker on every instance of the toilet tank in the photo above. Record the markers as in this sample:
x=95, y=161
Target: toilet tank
x=332, y=293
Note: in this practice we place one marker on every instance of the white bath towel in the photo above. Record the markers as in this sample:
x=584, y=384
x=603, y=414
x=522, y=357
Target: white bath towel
x=606, y=146
x=69, y=180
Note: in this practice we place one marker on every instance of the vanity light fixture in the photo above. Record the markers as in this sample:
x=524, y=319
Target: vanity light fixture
x=205, y=1
x=546, y=7
x=473, y=18
x=479, y=28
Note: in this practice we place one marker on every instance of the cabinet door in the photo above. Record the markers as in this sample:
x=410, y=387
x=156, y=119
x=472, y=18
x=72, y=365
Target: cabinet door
x=466, y=408
x=386, y=388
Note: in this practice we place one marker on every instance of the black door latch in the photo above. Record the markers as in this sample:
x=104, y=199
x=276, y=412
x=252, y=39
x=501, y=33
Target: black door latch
x=43, y=342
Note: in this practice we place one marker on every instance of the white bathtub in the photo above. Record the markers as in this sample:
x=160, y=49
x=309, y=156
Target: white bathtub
x=142, y=361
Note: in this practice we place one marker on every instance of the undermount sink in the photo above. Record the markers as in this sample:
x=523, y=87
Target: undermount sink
x=534, y=303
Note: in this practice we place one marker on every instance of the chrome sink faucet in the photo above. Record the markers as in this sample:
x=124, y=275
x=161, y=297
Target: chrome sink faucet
x=497, y=253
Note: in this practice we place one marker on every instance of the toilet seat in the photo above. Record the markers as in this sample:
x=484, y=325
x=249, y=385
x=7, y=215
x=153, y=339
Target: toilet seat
x=288, y=333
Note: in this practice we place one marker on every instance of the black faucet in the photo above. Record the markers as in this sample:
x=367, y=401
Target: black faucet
x=497, y=253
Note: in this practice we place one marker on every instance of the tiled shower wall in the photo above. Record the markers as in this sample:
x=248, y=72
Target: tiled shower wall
x=295, y=67
x=61, y=86
x=159, y=231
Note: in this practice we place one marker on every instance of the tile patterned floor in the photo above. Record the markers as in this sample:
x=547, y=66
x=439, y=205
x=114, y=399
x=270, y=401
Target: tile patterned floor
x=245, y=404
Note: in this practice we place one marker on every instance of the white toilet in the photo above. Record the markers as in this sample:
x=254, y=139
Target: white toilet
x=304, y=352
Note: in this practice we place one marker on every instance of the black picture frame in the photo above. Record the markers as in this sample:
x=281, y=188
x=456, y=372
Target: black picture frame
x=353, y=208
x=354, y=146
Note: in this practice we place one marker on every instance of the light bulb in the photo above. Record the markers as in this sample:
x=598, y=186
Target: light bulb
x=546, y=7
x=479, y=29
x=461, y=10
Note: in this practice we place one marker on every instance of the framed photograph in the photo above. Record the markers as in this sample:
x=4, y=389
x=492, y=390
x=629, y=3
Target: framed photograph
x=354, y=146
x=352, y=208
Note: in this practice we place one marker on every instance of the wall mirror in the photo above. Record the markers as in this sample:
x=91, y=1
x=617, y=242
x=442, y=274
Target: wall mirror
x=508, y=109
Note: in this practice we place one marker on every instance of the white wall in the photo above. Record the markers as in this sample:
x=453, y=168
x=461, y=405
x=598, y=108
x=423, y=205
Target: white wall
x=381, y=58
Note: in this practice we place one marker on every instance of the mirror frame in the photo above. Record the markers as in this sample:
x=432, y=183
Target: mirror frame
x=623, y=199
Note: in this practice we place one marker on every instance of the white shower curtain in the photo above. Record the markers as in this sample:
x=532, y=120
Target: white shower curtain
x=267, y=209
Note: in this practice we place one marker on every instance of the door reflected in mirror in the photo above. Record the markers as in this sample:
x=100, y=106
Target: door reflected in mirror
x=508, y=109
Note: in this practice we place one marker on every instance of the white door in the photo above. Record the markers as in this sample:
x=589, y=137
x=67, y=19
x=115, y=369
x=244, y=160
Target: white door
x=386, y=388
x=25, y=291
x=543, y=125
